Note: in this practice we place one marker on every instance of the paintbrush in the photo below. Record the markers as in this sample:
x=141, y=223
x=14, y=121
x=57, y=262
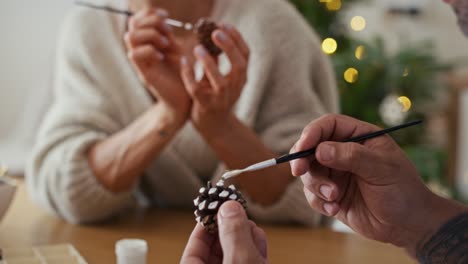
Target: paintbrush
x=310, y=152
x=169, y=21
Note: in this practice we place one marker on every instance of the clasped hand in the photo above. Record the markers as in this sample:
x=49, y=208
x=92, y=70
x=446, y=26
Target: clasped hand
x=167, y=70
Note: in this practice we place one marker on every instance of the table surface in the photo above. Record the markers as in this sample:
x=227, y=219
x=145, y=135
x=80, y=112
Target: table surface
x=27, y=225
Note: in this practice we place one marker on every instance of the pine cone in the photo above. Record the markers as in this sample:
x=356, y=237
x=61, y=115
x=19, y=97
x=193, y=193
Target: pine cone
x=210, y=200
x=204, y=29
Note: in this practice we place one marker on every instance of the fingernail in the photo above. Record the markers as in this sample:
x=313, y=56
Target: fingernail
x=164, y=41
x=326, y=191
x=220, y=35
x=162, y=13
x=327, y=152
x=183, y=61
x=200, y=50
x=328, y=207
x=230, y=210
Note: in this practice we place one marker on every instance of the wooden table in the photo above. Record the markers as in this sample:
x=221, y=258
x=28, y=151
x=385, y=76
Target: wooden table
x=167, y=232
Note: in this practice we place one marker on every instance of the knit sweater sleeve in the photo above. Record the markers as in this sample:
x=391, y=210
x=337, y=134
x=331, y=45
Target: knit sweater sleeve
x=301, y=88
x=58, y=175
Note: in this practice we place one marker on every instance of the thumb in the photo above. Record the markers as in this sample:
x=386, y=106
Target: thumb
x=349, y=157
x=235, y=233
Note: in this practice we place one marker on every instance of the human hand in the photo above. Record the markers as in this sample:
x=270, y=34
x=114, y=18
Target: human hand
x=156, y=55
x=371, y=187
x=215, y=95
x=240, y=240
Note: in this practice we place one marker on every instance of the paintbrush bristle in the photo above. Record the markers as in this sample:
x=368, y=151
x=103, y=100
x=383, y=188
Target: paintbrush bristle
x=232, y=174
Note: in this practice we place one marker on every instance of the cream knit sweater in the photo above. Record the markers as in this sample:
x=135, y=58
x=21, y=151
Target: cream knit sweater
x=97, y=93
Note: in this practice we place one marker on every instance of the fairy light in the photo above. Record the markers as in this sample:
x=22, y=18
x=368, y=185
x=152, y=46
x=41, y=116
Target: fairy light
x=351, y=75
x=358, y=23
x=360, y=52
x=406, y=72
x=333, y=5
x=329, y=46
x=405, y=103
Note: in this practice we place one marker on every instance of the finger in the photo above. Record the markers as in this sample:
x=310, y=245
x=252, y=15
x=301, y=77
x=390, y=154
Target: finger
x=238, y=39
x=198, y=249
x=317, y=182
x=151, y=18
x=260, y=240
x=144, y=55
x=350, y=157
x=216, y=252
x=235, y=232
x=320, y=205
x=193, y=88
x=146, y=36
x=188, y=76
x=259, y=237
x=303, y=165
x=211, y=70
x=329, y=127
x=227, y=44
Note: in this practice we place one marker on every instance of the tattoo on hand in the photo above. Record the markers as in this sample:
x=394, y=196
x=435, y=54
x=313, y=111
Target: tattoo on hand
x=449, y=244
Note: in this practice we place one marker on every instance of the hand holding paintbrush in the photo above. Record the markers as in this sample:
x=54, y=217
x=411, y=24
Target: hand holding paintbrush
x=203, y=28
x=311, y=152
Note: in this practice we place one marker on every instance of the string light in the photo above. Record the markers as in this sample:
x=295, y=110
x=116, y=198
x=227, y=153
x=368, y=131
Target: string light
x=334, y=5
x=351, y=75
x=360, y=52
x=406, y=72
x=329, y=46
x=405, y=103
x=358, y=23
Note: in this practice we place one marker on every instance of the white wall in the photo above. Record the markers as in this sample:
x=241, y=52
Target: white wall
x=28, y=33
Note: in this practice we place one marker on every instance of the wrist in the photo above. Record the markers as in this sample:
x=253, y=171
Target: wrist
x=219, y=131
x=169, y=118
x=438, y=211
x=165, y=121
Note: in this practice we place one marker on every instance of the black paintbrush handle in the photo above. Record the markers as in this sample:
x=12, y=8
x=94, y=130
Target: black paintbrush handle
x=106, y=8
x=310, y=152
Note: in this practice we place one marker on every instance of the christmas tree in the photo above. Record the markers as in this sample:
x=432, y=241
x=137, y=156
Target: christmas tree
x=381, y=88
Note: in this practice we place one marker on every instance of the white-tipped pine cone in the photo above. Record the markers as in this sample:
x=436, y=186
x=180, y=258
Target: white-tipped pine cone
x=209, y=201
x=204, y=28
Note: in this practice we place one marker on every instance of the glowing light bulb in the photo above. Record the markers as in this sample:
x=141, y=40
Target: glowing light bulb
x=351, y=75
x=406, y=72
x=360, y=52
x=329, y=46
x=405, y=103
x=358, y=23
x=334, y=5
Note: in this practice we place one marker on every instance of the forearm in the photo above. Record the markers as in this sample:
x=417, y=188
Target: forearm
x=121, y=159
x=238, y=147
x=448, y=240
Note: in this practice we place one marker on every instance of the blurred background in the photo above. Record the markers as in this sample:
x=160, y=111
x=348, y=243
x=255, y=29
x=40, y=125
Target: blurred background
x=395, y=60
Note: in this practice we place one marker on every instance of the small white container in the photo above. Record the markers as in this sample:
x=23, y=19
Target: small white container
x=131, y=251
